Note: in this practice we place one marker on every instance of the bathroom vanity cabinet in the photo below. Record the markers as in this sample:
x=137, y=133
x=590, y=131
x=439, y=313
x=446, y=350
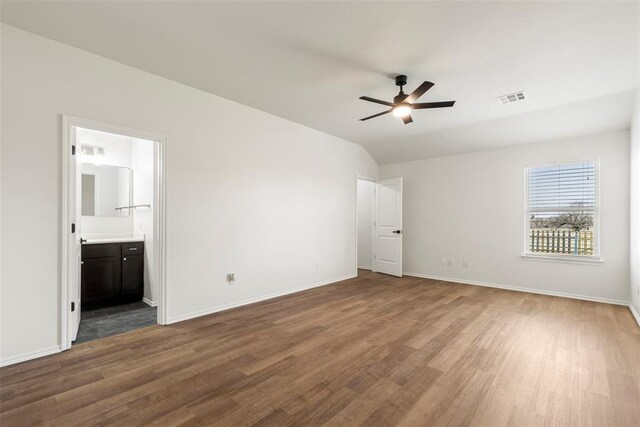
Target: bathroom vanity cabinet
x=112, y=273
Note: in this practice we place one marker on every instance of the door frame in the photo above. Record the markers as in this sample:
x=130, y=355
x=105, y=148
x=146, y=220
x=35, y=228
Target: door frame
x=159, y=213
x=373, y=246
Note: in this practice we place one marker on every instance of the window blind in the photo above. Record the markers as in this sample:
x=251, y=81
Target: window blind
x=562, y=208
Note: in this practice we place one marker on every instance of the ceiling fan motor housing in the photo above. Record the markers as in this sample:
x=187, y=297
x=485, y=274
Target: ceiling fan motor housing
x=399, y=98
x=401, y=80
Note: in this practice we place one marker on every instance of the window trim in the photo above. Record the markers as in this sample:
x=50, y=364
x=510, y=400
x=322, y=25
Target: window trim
x=527, y=254
x=569, y=259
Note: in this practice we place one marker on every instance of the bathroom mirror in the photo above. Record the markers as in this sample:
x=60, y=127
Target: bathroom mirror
x=105, y=189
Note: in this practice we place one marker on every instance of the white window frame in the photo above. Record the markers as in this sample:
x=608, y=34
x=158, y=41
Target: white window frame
x=527, y=254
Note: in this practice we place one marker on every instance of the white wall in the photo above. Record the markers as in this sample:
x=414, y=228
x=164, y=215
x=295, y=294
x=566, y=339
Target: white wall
x=365, y=223
x=471, y=206
x=247, y=192
x=634, y=248
x=143, y=168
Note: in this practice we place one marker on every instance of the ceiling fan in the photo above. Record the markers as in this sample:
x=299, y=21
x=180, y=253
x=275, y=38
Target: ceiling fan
x=403, y=104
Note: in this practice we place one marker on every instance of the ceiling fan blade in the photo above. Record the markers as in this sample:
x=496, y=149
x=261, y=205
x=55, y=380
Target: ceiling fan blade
x=420, y=106
x=375, y=115
x=407, y=119
x=425, y=86
x=377, y=101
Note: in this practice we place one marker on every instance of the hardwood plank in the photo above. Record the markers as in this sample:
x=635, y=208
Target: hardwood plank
x=375, y=350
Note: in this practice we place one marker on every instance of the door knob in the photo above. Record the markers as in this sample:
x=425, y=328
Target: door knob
x=397, y=231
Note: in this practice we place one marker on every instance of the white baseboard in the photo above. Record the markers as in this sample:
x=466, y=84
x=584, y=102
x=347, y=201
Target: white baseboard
x=149, y=302
x=31, y=355
x=365, y=267
x=519, y=289
x=212, y=310
x=634, y=313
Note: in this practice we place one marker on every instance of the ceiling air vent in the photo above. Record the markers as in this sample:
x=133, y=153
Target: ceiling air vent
x=511, y=97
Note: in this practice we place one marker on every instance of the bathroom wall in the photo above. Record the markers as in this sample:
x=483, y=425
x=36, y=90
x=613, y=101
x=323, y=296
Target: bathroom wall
x=143, y=164
x=117, y=152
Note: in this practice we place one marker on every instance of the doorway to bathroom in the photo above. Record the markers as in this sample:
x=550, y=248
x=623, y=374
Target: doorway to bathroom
x=113, y=231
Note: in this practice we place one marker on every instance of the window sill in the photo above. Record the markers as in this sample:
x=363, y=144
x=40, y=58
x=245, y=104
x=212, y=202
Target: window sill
x=567, y=259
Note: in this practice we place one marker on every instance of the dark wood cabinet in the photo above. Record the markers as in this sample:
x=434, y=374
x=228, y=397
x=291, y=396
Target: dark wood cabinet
x=112, y=273
x=99, y=279
x=132, y=273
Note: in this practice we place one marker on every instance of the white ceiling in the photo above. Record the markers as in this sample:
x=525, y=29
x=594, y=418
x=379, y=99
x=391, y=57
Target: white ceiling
x=310, y=61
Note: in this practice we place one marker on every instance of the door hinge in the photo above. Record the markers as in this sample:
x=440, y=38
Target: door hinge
x=374, y=256
x=73, y=150
x=73, y=227
x=73, y=306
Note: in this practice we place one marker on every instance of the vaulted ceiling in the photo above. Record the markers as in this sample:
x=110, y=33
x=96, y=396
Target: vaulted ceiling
x=310, y=61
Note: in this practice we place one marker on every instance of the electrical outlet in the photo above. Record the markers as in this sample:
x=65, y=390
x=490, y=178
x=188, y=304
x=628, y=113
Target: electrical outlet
x=231, y=278
x=449, y=262
x=443, y=261
x=465, y=263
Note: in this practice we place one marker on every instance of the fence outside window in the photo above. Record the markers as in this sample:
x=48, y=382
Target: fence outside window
x=561, y=241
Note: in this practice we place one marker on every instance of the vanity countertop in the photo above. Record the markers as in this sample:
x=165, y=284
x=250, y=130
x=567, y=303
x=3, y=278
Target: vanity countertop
x=95, y=238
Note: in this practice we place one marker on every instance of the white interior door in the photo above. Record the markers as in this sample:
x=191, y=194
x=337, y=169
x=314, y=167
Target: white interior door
x=75, y=247
x=388, y=227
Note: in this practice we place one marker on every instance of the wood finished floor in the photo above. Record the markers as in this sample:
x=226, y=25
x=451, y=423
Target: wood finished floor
x=375, y=350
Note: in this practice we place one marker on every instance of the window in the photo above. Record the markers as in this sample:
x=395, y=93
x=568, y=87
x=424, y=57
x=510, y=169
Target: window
x=562, y=210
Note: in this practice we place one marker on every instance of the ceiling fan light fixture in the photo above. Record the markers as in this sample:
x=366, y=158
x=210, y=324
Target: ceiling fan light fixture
x=401, y=110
